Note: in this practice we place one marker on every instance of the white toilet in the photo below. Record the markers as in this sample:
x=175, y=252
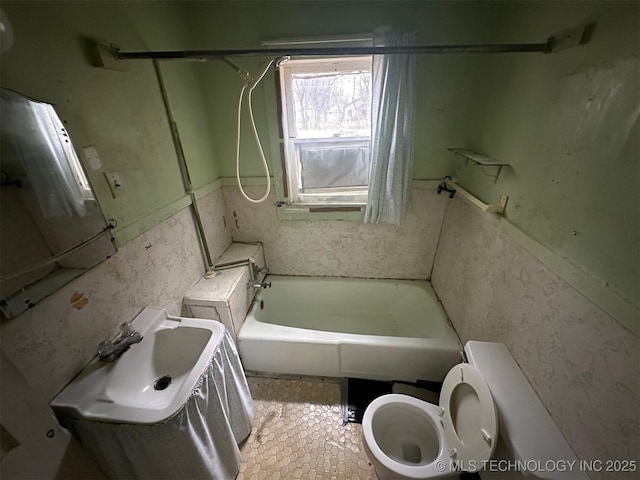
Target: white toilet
x=407, y=438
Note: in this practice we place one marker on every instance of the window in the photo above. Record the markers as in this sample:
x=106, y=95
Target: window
x=56, y=129
x=326, y=117
x=74, y=164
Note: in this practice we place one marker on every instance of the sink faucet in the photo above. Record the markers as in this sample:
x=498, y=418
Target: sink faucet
x=110, y=350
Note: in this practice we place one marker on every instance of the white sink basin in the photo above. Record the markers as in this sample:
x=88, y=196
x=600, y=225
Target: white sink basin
x=135, y=388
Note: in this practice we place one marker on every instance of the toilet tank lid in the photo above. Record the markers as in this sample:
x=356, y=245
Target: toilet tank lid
x=525, y=425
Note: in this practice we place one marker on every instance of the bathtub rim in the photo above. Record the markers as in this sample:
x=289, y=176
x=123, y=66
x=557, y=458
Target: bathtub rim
x=424, y=285
x=262, y=346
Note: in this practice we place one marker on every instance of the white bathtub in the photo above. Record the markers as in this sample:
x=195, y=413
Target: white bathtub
x=338, y=327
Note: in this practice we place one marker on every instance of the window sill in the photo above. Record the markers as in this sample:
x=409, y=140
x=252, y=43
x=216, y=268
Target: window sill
x=323, y=211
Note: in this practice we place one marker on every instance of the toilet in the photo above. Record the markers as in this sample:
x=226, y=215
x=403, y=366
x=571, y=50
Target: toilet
x=407, y=438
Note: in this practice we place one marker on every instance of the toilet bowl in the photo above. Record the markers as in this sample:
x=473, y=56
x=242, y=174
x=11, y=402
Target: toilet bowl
x=402, y=438
x=407, y=438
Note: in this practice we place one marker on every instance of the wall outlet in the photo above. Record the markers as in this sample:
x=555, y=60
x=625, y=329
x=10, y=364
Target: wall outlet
x=115, y=185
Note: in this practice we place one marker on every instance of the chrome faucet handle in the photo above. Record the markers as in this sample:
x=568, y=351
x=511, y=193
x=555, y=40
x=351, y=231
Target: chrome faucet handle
x=127, y=330
x=110, y=350
x=105, y=348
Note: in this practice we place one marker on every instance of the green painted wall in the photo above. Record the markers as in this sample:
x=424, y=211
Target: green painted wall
x=568, y=122
x=120, y=113
x=445, y=80
x=568, y=125
x=184, y=81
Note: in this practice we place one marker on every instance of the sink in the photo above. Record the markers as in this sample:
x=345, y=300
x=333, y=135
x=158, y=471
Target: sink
x=152, y=380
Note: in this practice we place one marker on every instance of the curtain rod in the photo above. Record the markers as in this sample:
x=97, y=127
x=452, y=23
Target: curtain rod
x=545, y=47
x=107, y=56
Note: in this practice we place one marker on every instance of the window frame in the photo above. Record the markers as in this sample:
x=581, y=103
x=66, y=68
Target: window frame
x=73, y=160
x=349, y=196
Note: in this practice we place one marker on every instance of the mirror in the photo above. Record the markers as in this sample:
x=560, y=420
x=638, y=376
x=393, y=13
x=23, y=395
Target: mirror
x=51, y=227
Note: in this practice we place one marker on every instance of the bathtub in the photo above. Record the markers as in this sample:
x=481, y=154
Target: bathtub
x=340, y=327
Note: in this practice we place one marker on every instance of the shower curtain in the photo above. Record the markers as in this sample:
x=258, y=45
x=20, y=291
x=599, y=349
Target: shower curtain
x=392, y=114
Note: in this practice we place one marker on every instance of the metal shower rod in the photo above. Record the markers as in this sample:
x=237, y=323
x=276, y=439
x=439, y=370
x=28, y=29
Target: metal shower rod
x=108, y=56
x=545, y=47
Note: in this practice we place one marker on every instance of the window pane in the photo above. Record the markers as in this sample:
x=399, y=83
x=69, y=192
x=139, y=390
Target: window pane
x=331, y=104
x=333, y=163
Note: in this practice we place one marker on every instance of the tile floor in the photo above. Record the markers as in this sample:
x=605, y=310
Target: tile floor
x=297, y=433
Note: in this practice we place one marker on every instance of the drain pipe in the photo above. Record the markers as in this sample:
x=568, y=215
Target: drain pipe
x=184, y=170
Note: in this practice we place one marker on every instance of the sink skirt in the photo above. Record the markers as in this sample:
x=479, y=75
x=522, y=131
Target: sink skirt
x=199, y=441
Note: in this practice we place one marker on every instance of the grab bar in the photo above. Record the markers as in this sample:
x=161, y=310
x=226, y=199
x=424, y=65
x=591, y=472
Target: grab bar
x=497, y=208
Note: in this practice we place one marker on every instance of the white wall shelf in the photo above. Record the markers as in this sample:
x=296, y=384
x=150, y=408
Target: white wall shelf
x=479, y=159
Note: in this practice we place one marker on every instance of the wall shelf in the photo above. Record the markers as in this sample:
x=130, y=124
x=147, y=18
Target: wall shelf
x=479, y=159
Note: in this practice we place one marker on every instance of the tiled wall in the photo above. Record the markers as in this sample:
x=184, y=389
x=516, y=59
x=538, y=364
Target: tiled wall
x=50, y=343
x=341, y=248
x=217, y=227
x=53, y=341
x=582, y=363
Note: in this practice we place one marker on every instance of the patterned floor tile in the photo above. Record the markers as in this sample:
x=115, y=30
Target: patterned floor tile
x=297, y=433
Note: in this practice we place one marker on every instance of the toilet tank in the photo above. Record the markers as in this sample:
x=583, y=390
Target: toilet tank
x=524, y=424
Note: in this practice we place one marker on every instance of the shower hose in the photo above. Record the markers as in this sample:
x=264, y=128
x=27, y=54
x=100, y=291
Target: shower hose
x=251, y=85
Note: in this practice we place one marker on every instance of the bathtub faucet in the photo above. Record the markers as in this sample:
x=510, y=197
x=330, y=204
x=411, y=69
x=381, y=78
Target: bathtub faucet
x=258, y=285
x=255, y=270
x=254, y=276
x=110, y=350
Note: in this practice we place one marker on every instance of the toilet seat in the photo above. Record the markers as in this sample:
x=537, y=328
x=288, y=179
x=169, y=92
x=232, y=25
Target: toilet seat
x=469, y=416
x=465, y=423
